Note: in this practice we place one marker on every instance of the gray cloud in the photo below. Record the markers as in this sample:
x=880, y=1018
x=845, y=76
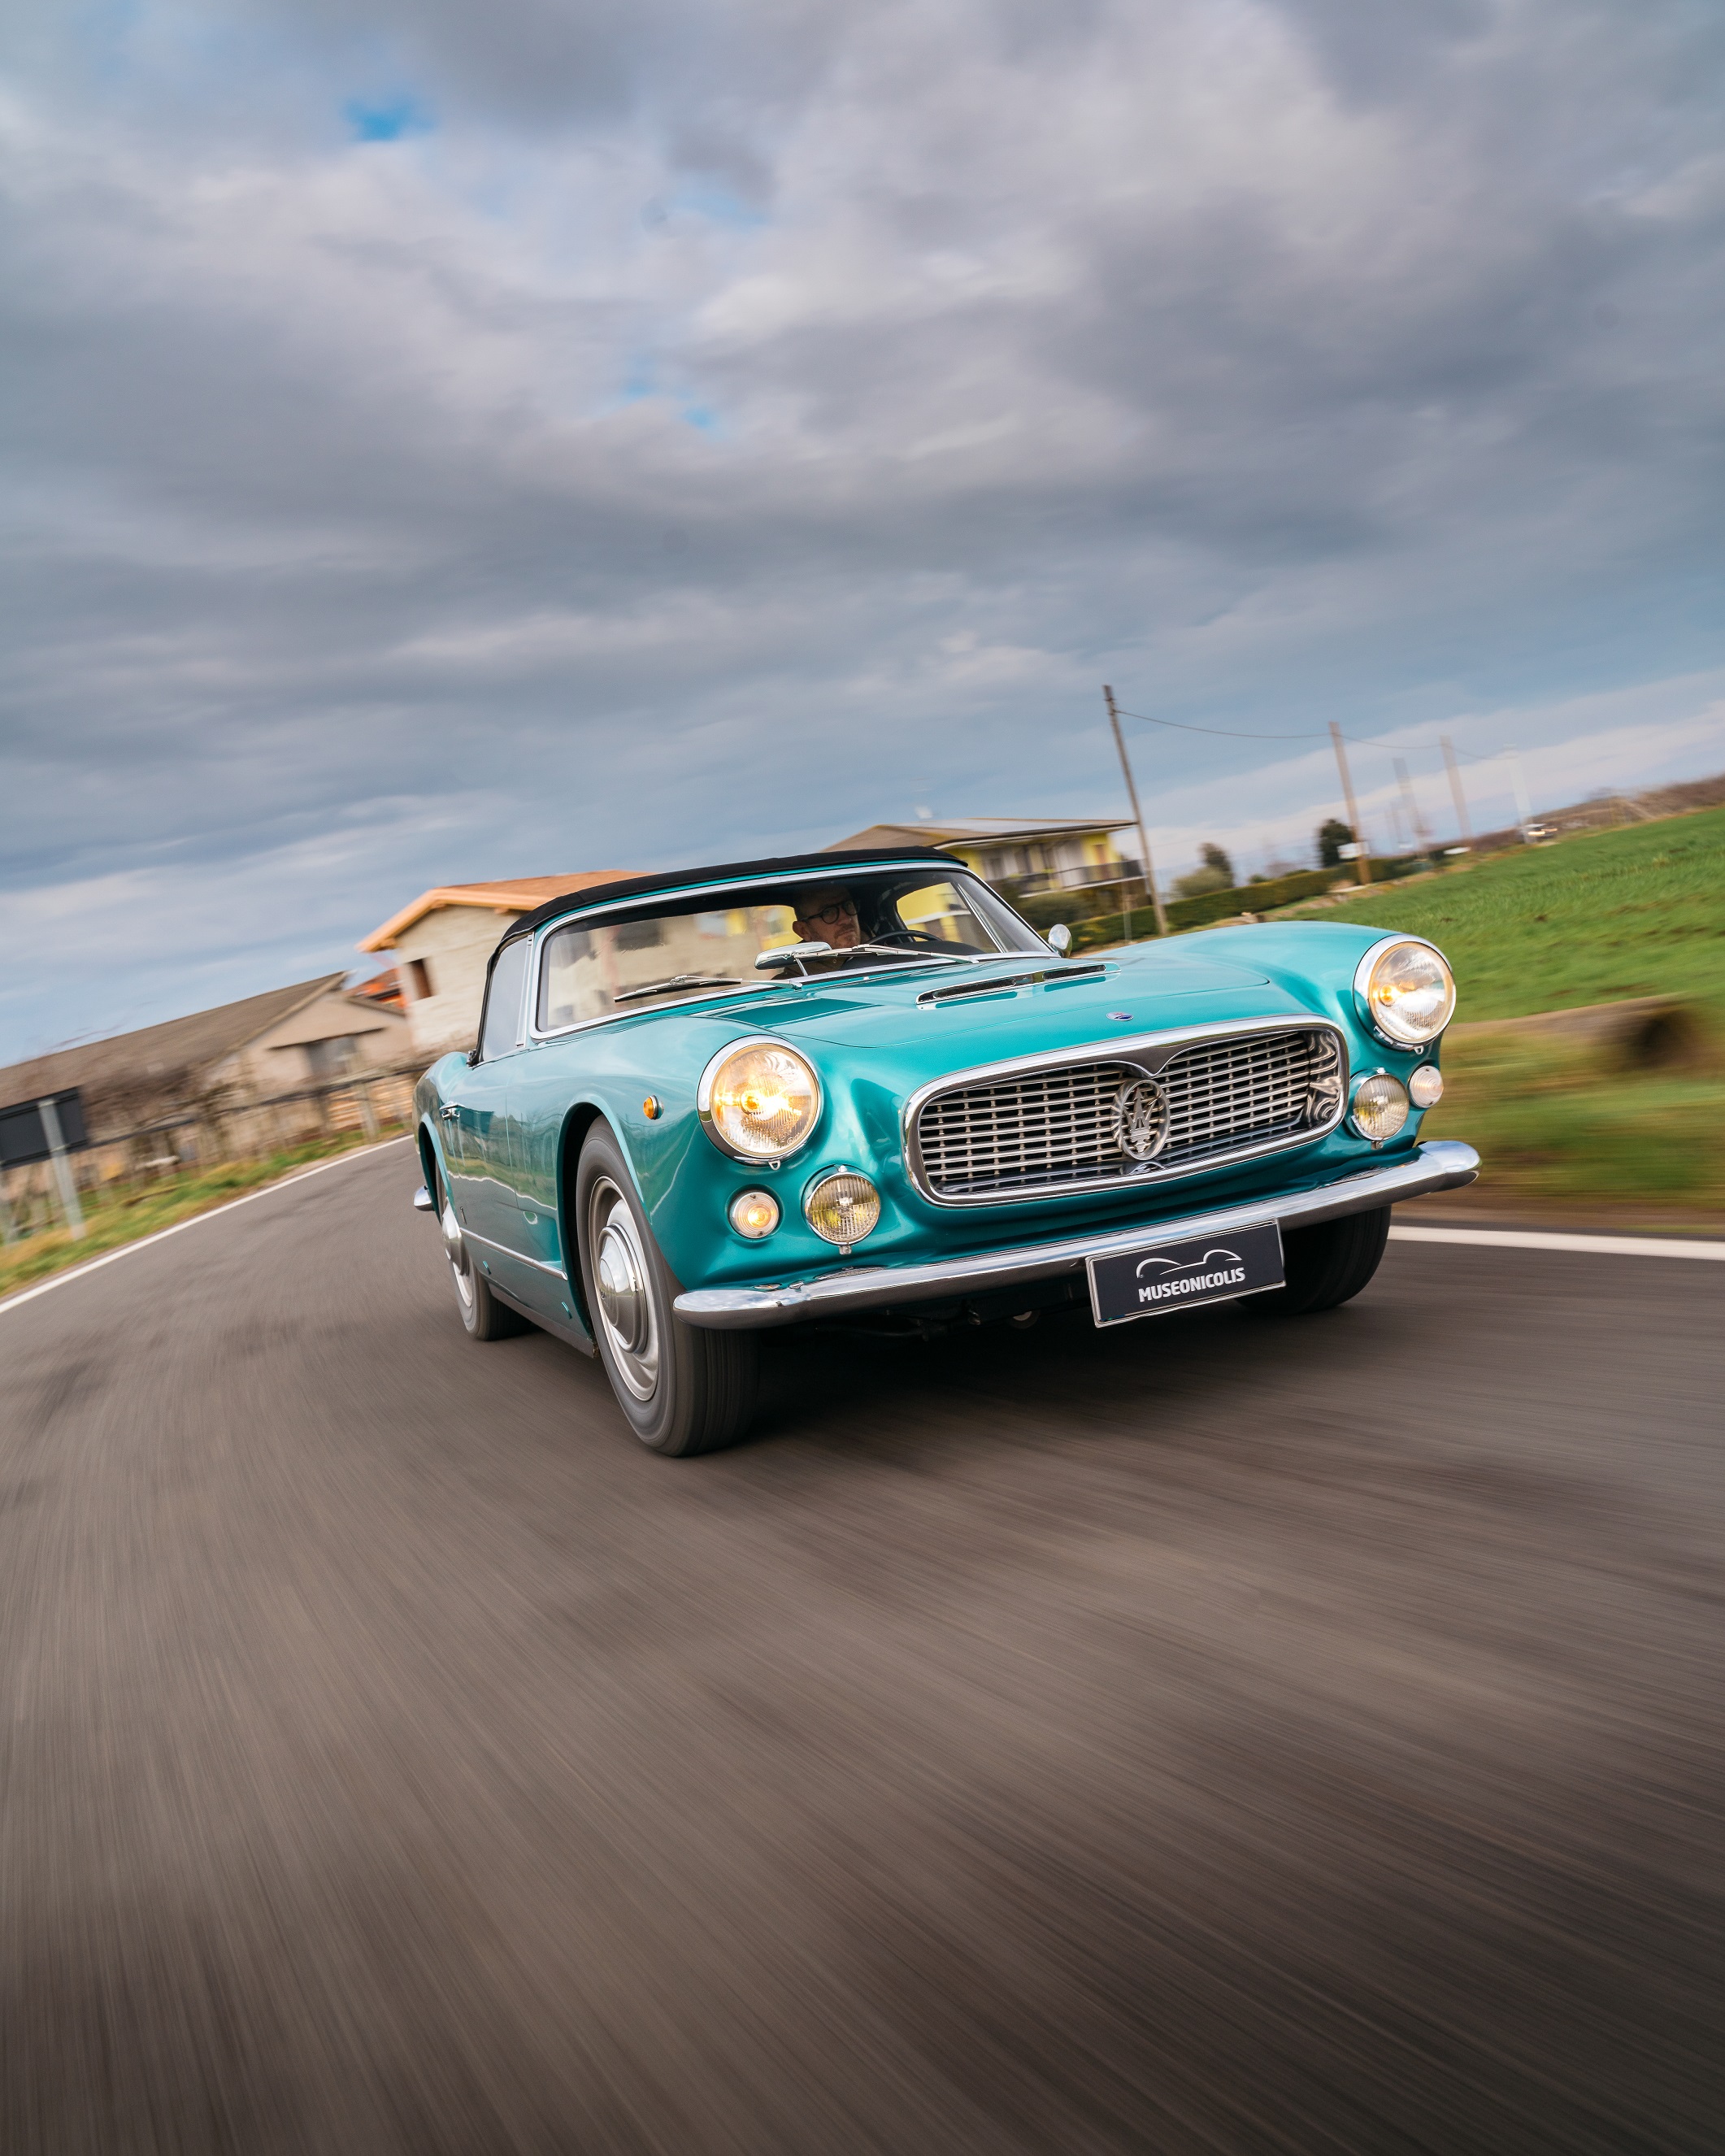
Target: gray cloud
x=718, y=431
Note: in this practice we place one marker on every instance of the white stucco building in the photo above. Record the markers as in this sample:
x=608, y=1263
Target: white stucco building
x=442, y=942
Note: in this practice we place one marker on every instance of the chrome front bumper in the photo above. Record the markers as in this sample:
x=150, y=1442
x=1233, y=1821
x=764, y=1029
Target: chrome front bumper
x=1442, y=1165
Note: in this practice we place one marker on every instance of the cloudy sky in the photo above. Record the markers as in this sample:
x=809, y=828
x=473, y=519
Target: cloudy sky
x=448, y=440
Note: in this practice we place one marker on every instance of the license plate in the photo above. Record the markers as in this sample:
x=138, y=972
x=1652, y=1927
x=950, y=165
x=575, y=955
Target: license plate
x=1168, y=1276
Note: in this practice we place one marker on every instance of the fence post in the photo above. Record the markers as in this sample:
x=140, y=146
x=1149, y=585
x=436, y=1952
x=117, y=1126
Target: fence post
x=367, y=1110
x=62, y=1171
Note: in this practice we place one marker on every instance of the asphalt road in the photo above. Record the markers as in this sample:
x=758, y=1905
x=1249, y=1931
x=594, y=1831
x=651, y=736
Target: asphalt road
x=1206, y=1736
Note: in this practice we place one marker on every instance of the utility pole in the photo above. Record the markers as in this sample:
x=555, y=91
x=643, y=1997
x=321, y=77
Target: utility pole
x=1137, y=813
x=1422, y=837
x=1364, y=858
x=1460, y=798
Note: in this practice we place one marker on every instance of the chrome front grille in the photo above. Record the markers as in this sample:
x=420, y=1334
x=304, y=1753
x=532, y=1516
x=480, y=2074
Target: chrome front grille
x=1056, y=1127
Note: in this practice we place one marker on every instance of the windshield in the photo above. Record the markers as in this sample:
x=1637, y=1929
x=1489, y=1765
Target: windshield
x=669, y=949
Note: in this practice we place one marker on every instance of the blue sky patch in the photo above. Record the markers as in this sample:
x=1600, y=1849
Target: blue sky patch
x=386, y=118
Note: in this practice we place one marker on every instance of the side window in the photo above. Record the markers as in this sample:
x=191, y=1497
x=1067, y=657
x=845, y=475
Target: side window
x=500, y=1030
x=568, y=967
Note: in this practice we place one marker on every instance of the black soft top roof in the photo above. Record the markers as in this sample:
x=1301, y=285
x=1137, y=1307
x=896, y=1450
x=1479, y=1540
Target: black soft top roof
x=642, y=886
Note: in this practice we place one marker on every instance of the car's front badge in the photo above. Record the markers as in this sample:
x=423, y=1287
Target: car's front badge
x=1120, y=1015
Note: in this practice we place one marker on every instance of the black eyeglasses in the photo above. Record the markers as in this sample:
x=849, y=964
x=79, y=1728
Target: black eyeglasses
x=832, y=915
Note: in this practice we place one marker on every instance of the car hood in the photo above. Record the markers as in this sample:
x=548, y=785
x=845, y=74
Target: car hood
x=1146, y=990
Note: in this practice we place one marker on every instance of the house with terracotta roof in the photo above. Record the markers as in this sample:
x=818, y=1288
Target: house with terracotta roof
x=444, y=941
x=222, y=1061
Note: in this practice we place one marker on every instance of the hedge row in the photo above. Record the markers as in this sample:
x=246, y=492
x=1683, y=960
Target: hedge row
x=1199, y=912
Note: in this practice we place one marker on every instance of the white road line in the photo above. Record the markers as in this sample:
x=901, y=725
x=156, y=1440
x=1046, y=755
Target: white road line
x=1529, y=1239
x=126, y=1250
x=1503, y=1238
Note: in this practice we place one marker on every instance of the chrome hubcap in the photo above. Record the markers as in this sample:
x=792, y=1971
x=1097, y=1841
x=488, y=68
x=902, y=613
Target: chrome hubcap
x=455, y=1249
x=623, y=1288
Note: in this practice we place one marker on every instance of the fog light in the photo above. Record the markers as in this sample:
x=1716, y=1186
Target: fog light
x=842, y=1208
x=1380, y=1108
x=754, y=1213
x=1426, y=1085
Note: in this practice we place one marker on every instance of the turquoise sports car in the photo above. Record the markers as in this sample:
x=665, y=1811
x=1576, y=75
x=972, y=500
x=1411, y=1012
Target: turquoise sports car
x=857, y=1089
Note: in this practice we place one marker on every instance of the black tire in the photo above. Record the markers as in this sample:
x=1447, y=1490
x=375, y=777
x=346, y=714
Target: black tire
x=484, y=1316
x=1326, y=1266
x=682, y=1389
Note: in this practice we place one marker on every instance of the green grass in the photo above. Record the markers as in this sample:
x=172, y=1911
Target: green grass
x=126, y=1212
x=1589, y=920
x=1558, y=1125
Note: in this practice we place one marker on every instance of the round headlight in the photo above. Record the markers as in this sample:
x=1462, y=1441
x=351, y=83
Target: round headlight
x=1408, y=990
x=843, y=1208
x=1380, y=1108
x=753, y=1214
x=758, y=1101
x=1426, y=1085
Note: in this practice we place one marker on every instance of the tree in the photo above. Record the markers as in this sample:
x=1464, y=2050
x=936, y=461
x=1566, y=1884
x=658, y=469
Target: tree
x=1216, y=874
x=1332, y=838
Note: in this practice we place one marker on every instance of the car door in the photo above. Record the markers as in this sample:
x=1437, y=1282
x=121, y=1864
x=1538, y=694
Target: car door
x=478, y=1156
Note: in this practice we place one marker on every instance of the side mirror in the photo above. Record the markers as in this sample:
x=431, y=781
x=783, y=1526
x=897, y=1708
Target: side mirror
x=1060, y=938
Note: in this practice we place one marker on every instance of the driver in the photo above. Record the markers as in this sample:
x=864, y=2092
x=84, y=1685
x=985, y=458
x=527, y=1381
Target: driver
x=829, y=916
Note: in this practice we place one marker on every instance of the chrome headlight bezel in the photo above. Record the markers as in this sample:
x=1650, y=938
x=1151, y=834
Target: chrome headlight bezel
x=818, y=1182
x=704, y=1100
x=1371, y=1017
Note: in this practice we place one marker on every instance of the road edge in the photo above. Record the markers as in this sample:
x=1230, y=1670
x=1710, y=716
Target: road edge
x=24, y=1295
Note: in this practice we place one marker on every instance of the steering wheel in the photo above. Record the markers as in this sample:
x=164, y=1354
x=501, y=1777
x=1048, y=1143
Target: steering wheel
x=918, y=937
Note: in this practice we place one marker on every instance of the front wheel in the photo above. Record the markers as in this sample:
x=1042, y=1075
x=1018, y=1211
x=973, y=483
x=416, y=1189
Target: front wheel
x=1325, y=1266
x=684, y=1390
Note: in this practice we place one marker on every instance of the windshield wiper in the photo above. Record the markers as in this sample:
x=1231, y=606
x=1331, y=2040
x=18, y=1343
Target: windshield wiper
x=678, y=981
x=923, y=957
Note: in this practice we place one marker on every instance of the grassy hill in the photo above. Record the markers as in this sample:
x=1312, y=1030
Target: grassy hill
x=1590, y=920
x=1594, y=918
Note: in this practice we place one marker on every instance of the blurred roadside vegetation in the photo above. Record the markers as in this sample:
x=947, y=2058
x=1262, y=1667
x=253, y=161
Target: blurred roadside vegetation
x=1557, y=1125
x=1593, y=919
x=123, y=1212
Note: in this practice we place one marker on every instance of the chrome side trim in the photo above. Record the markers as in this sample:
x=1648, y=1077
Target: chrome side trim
x=1148, y=1052
x=1445, y=1164
x=520, y=1257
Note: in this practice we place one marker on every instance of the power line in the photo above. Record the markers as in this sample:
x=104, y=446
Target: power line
x=1321, y=733
x=1225, y=733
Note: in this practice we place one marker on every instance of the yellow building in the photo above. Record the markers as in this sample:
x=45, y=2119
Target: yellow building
x=1034, y=854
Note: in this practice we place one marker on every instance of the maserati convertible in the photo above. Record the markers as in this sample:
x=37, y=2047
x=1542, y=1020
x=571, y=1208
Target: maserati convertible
x=857, y=1090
